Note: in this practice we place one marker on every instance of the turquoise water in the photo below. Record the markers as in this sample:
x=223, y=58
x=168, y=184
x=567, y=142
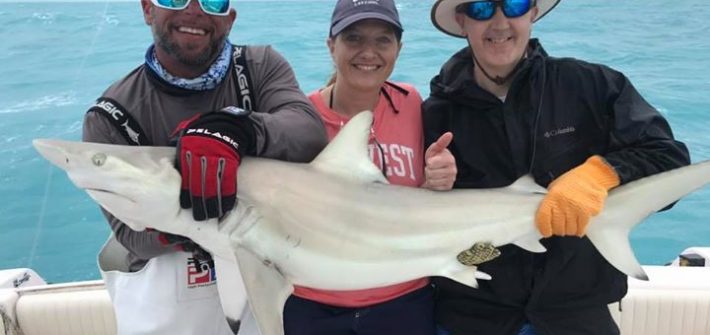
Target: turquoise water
x=56, y=58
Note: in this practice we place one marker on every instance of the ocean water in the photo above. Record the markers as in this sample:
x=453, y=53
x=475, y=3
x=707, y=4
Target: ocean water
x=57, y=57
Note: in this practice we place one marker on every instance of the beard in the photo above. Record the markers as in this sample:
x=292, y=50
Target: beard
x=166, y=41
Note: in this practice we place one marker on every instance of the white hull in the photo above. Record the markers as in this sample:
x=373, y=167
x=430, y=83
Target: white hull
x=676, y=301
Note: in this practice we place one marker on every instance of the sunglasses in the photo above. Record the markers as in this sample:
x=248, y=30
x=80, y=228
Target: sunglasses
x=484, y=10
x=212, y=7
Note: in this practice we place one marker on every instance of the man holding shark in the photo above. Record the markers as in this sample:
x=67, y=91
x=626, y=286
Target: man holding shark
x=580, y=129
x=192, y=79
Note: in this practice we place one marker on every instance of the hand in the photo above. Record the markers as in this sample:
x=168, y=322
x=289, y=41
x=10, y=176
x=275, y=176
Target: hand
x=440, y=170
x=209, y=150
x=575, y=197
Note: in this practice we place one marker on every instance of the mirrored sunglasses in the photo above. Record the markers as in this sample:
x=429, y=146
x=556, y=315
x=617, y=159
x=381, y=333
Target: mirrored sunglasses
x=484, y=10
x=212, y=7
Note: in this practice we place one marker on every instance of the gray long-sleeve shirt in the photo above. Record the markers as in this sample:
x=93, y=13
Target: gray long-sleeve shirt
x=287, y=126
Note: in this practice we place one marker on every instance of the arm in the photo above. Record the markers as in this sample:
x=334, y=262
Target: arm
x=641, y=142
x=286, y=124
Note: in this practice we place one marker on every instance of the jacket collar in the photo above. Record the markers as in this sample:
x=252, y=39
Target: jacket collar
x=456, y=82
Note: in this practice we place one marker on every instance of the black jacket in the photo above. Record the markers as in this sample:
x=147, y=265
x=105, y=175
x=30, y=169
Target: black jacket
x=558, y=112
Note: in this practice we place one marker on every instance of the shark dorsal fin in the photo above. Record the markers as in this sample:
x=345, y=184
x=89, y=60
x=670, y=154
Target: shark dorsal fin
x=347, y=154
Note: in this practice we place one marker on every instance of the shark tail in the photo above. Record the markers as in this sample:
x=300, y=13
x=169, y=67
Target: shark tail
x=631, y=203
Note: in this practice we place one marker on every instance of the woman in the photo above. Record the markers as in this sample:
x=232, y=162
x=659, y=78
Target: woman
x=364, y=42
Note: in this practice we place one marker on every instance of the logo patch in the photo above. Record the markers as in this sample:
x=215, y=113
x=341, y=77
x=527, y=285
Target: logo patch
x=561, y=131
x=200, y=273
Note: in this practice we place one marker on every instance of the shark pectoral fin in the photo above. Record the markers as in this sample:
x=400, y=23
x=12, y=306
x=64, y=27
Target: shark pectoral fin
x=267, y=290
x=531, y=242
x=466, y=275
x=232, y=294
x=613, y=244
x=347, y=154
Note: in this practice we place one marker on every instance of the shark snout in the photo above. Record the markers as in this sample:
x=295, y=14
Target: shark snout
x=52, y=151
x=81, y=166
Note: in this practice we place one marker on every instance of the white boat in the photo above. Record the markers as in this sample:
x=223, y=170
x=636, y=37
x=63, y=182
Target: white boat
x=675, y=301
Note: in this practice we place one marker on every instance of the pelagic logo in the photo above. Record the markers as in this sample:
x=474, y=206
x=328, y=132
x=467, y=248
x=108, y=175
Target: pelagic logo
x=200, y=272
x=109, y=107
x=218, y=135
x=560, y=131
x=132, y=133
x=242, y=80
x=120, y=117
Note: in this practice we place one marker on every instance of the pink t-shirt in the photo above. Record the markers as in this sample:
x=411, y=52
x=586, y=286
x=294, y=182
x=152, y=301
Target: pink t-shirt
x=400, y=136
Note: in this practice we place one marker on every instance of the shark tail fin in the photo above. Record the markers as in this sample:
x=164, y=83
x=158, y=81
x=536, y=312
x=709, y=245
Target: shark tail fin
x=631, y=203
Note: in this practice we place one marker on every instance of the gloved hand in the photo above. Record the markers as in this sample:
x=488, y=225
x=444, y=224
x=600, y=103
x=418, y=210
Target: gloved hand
x=209, y=150
x=575, y=197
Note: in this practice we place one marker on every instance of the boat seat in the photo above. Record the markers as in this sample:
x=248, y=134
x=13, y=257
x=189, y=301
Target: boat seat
x=74, y=310
x=676, y=301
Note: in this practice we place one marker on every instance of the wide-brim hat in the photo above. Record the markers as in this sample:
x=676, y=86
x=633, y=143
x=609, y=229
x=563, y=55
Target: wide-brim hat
x=443, y=14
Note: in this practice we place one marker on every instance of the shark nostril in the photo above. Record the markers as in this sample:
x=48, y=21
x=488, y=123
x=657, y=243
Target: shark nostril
x=98, y=159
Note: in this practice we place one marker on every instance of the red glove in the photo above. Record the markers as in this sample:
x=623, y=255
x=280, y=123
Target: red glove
x=209, y=151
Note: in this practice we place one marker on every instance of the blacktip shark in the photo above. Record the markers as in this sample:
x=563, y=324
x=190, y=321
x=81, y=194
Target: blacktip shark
x=336, y=224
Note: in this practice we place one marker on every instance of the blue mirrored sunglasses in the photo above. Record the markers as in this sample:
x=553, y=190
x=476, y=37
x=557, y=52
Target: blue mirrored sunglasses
x=213, y=7
x=484, y=10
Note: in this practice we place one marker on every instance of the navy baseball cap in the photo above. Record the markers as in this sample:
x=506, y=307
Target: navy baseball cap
x=348, y=12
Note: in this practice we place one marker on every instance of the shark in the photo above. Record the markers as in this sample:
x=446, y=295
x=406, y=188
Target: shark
x=336, y=224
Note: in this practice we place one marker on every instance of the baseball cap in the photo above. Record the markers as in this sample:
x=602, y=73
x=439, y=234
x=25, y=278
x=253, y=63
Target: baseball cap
x=347, y=12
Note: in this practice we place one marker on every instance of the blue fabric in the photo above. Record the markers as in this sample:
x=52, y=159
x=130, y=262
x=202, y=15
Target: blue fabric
x=527, y=329
x=441, y=331
x=207, y=81
x=410, y=314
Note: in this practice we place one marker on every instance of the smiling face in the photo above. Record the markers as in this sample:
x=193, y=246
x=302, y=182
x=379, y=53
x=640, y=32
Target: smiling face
x=498, y=43
x=364, y=54
x=187, y=41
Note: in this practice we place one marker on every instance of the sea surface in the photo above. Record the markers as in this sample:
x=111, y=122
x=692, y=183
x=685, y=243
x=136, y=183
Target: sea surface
x=57, y=57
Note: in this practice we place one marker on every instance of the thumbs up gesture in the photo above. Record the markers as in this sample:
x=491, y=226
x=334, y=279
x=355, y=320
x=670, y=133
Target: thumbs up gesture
x=440, y=165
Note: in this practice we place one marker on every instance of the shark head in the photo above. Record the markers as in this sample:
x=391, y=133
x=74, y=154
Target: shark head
x=125, y=180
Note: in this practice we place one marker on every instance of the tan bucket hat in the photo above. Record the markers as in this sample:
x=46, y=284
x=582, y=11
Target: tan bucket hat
x=443, y=14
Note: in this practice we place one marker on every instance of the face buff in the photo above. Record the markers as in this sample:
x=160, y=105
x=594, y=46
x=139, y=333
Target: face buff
x=207, y=81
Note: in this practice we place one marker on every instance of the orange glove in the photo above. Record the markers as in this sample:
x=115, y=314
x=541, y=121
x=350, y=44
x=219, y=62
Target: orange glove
x=575, y=197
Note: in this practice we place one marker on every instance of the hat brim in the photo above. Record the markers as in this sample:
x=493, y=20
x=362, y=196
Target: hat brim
x=346, y=22
x=443, y=14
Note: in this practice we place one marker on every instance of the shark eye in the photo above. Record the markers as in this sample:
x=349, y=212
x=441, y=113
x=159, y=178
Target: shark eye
x=99, y=159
